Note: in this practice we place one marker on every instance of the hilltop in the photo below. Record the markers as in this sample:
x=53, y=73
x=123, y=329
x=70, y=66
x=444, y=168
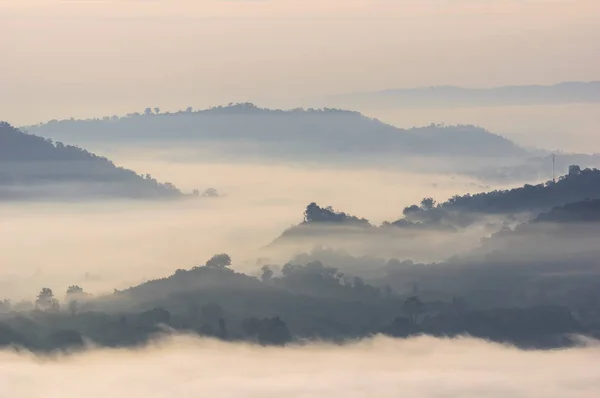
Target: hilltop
x=282, y=133
x=438, y=222
x=33, y=167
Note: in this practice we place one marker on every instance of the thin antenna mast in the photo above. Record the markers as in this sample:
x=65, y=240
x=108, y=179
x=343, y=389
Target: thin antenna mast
x=553, y=168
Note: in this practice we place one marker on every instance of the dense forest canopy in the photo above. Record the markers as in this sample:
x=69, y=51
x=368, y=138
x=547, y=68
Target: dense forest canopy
x=30, y=166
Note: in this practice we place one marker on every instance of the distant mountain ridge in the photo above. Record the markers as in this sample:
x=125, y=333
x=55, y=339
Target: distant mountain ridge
x=274, y=132
x=32, y=167
x=452, y=96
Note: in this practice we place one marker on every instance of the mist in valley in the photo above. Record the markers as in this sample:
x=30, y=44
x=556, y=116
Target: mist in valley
x=380, y=367
x=115, y=243
x=307, y=199
x=558, y=127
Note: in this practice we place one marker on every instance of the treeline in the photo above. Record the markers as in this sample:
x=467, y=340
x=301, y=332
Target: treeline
x=281, y=305
x=462, y=210
x=295, y=132
x=26, y=160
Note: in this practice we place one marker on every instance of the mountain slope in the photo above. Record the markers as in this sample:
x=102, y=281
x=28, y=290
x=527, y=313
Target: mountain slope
x=36, y=168
x=277, y=133
x=453, y=226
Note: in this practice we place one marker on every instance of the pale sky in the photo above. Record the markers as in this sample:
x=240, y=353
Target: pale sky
x=95, y=57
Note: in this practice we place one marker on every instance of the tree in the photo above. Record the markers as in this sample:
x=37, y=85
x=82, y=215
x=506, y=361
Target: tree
x=46, y=301
x=211, y=312
x=157, y=110
x=251, y=326
x=427, y=203
x=274, y=331
x=154, y=317
x=267, y=273
x=210, y=193
x=5, y=305
x=413, y=307
x=411, y=210
x=148, y=111
x=219, y=261
x=74, y=293
x=386, y=291
x=574, y=170
x=268, y=331
x=74, y=290
x=72, y=307
x=223, y=334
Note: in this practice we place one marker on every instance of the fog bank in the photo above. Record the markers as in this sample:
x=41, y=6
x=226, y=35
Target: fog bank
x=382, y=367
x=117, y=244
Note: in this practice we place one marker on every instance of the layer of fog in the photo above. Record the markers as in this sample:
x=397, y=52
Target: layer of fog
x=382, y=367
x=347, y=140
x=389, y=242
x=111, y=244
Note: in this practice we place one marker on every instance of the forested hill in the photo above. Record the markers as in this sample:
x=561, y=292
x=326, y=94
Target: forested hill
x=461, y=211
x=31, y=166
x=578, y=185
x=282, y=132
x=587, y=211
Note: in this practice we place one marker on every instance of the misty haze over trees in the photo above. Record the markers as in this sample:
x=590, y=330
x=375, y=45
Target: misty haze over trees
x=515, y=265
x=245, y=131
x=493, y=210
x=296, y=199
x=32, y=167
x=534, y=285
x=306, y=132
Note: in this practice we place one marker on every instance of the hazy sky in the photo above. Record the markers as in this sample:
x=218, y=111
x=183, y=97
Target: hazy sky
x=91, y=57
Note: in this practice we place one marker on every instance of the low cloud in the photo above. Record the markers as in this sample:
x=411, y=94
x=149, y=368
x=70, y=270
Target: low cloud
x=381, y=367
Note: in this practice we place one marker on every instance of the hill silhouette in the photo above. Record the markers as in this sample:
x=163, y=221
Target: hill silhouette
x=575, y=186
x=434, y=221
x=36, y=168
x=275, y=132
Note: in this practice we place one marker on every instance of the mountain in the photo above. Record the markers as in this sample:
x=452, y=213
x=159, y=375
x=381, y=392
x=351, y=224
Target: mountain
x=32, y=167
x=450, y=96
x=447, y=224
x=305, y=133
x=575, y=186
